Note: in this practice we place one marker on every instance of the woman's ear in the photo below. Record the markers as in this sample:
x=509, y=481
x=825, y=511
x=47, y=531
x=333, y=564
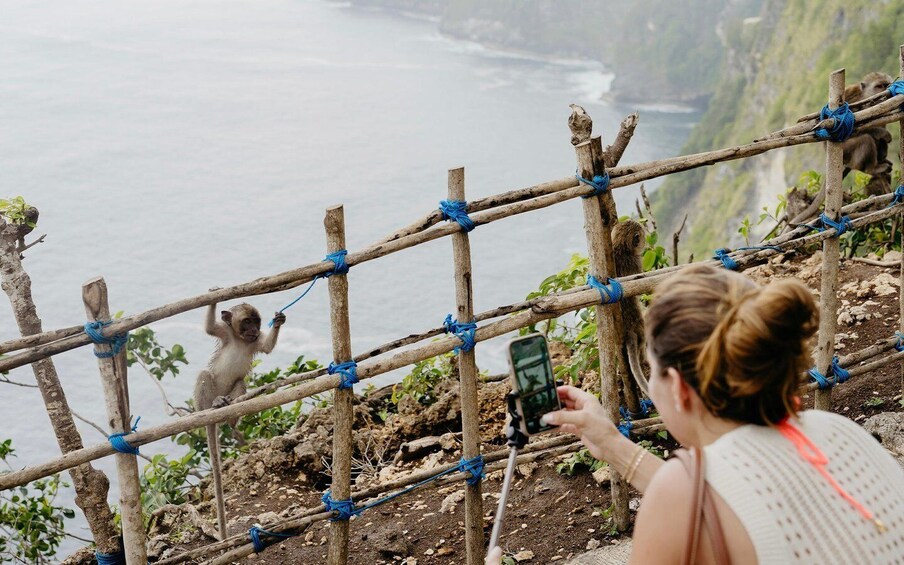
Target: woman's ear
x=681, y=391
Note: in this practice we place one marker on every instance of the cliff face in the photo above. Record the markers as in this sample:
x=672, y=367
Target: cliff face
x=658, y=50
x=777, y=69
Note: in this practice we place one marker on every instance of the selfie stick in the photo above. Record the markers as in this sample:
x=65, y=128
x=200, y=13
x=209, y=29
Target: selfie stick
x=516, y=440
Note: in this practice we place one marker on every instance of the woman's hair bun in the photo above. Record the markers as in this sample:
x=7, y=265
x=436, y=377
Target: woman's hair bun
x=742, y=346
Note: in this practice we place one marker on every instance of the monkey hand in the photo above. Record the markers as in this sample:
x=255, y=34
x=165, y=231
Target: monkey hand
x=221, y=401
x=279, y=319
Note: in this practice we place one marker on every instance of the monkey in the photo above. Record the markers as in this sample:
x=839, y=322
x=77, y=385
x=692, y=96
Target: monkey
x=238, y=334
x=628, y=244
x=867, y=151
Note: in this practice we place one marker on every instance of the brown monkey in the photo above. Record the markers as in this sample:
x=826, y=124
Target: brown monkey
x=239, y=340
x=867, y=151
x=628, y=243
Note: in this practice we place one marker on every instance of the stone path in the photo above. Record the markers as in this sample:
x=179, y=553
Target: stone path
x=615, y=554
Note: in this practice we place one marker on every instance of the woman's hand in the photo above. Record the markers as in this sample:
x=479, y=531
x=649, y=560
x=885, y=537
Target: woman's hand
x=583, y=416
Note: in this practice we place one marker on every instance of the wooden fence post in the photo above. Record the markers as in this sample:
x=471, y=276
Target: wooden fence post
x=343, y=407
x=116, y=396
x=467, y=371
x=599, y=217
x=901, y=163
x=831, y=254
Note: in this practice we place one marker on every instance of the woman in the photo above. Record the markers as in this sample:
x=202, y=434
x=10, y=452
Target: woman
x=726, y=357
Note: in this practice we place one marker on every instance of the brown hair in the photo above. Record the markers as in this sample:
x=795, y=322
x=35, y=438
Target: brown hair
x=742, y=347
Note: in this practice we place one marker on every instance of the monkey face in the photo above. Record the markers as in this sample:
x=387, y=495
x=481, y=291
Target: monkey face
x=244, y=320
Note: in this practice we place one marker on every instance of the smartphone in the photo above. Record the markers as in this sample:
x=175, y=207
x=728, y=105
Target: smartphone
x=533, y=381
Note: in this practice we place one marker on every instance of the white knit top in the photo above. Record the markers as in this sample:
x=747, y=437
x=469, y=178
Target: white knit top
x=791, y=512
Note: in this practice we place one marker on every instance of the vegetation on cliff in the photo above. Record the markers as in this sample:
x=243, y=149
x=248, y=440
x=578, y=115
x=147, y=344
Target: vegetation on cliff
x=777, y=70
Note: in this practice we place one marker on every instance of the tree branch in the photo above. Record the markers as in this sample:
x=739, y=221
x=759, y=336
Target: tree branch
x=675, y=238
x=613, y=153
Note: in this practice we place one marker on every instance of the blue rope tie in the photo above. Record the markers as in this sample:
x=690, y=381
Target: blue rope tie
x=625, y=428
x=348, y=373
x=117, y=342
x=344, y=509
x=121, y=445
x=841, y=374
x=727, y=262
x=646, y=406
x=819, y=378
x=844, y=123
x=599, y=183
x=900, y=345
x=899, y=196
x=118, y=558
x=896, y=88
x=457, y=210
x=340, y=267
x=474, y=466
x=824, y=222
x=465, y=331
x=255, y=532
x=609, y=293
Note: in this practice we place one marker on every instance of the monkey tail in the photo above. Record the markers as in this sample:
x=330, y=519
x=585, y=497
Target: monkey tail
x=636, y=366
x=213, y=445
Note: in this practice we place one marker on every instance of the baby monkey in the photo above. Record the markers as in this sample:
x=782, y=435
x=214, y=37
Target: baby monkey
x=238, y=334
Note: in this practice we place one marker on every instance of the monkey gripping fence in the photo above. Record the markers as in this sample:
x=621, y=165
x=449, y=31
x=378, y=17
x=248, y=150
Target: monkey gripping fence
x=836, y=122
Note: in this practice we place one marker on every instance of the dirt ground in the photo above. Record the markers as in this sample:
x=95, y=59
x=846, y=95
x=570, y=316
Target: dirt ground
x=551, y=516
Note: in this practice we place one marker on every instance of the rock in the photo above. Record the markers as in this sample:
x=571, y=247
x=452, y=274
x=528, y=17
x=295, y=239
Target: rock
x=524, y=555
x=451, y=500
x=417, y=448
x=390, y=543
x=593, y=544
x=888, y=428
x=601, y=475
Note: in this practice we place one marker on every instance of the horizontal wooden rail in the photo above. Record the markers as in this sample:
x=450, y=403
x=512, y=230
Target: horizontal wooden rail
x=504, y=205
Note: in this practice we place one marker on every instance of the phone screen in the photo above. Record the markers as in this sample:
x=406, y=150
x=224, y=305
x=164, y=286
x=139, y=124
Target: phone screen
x=535, y=381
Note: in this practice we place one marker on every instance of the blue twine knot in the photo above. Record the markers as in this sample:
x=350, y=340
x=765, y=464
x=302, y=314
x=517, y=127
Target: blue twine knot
x=609, y=293
x=118, y=558
x=599, y=183
x=348, y=373
x=465, y=331
x=117, y=342
x=256, y=531
x=457, y=210
x=824, y=222
x=844, y=123
x=722, y=255
x=896, y=88
x=899, y=196
x=340, y=267
x=841, y=374
x=474, y=466
x=344, y=509
x=121, y=445
x=646, y=406
x=819, y=378
x=625, y=428
x=899, y=346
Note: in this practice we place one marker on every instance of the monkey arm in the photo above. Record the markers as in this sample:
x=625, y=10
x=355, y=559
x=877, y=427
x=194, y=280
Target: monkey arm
x=213, y=326
x=269, y=342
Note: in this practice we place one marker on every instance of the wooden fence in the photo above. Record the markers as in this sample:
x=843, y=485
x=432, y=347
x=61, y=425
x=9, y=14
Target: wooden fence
x=593, y=160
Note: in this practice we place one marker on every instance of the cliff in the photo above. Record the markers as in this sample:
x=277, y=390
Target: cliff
x=658, y=50
x=777, y=68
